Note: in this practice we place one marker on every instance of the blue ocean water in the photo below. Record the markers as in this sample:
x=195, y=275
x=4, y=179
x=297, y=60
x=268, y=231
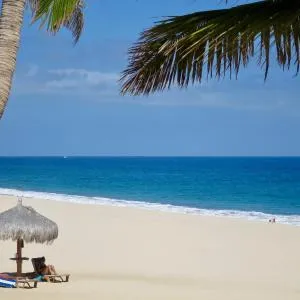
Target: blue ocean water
x=255, y=188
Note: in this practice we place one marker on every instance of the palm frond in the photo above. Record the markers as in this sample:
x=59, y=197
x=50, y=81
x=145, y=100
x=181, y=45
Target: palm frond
x=183, y=49
x=56, y=14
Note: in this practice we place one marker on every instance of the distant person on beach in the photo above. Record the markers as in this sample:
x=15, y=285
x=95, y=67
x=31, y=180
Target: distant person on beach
x=272, y=220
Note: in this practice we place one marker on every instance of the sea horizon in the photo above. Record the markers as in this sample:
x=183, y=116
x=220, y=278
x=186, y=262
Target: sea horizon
x=150, y=156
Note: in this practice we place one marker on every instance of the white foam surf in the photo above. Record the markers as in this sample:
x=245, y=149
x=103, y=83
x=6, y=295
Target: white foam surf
x=249, y=215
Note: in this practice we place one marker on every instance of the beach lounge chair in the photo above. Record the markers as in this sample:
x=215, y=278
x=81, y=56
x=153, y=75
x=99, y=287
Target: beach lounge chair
x=36, y=263
x=17, y=282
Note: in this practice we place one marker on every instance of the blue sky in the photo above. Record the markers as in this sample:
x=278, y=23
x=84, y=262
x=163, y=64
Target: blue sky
x=66, y=101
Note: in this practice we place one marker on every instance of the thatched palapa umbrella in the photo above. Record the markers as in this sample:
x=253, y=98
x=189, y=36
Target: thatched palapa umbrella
x=23, y=223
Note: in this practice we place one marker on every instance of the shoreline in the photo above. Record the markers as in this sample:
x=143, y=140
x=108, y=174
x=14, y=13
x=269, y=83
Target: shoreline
x=129, y=253
x=291, y=220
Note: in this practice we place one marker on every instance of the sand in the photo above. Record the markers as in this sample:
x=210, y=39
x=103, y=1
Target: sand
x=130, y=253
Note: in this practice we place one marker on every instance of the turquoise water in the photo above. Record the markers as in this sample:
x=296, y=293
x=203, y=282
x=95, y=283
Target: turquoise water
x=242, y=187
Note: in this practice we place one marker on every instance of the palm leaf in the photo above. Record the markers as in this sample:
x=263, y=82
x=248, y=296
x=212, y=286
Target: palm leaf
x=182, y=49
x=59, y=13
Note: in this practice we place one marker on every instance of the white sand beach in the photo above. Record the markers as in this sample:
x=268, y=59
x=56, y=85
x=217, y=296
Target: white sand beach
x=130, y=253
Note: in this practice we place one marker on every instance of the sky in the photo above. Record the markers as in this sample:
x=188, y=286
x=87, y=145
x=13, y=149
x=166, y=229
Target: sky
x=66, y=99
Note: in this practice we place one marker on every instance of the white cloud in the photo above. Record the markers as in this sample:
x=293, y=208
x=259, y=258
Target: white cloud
x=63, y=83
x=103, y=86
x=81, y=78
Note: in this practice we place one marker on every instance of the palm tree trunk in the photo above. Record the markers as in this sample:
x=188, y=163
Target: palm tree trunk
x=11, y=20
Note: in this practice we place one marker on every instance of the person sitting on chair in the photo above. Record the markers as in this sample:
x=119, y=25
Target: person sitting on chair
x=43, y=269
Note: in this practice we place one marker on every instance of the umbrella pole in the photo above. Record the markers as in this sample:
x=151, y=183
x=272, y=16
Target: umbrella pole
x=19, y=257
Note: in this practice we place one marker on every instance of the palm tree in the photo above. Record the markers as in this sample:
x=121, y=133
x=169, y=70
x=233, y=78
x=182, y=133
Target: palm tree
x=182, y=50
x=53, y=14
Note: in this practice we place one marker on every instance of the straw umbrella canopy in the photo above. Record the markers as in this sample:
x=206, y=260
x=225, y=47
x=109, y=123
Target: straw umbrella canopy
x=23, y=223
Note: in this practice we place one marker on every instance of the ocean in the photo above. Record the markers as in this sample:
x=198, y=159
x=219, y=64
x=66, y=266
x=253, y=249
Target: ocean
x=255, y=188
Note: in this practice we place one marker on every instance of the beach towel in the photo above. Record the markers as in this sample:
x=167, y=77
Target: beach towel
x=8, y=283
